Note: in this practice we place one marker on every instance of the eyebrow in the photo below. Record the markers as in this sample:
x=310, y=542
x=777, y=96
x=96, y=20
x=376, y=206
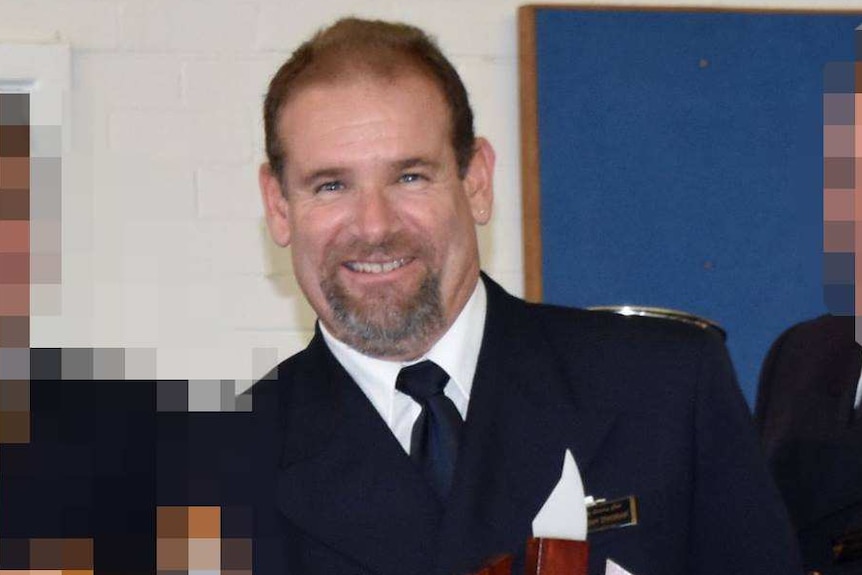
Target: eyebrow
x=416, y=163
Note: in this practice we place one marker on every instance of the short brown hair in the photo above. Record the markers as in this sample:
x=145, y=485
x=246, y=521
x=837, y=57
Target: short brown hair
x=352, y=46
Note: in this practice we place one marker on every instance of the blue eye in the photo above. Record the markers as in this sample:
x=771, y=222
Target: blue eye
x=410, y=178
x=333, y=186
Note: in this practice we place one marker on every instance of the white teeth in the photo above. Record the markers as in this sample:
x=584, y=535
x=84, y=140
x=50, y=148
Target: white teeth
x=376, y=268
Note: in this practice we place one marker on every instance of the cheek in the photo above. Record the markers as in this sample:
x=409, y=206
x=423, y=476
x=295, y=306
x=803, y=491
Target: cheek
x=305, y=270
x=455, y=241
x=314, y=227
x=439, y=229
x=308, y=249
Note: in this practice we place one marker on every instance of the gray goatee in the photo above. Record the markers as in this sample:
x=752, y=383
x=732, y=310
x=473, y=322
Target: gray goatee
x=382, y=326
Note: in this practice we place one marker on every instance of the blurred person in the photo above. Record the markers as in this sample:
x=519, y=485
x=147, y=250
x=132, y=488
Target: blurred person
x=807, y=406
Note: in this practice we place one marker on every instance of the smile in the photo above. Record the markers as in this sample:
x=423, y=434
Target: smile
x=377, y=267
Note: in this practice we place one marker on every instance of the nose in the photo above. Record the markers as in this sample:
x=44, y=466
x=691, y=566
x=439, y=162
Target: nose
x=375, y=215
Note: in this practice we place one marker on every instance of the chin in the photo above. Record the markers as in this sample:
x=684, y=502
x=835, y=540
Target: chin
x=385, y=324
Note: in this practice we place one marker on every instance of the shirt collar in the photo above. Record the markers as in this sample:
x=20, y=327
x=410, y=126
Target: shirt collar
x=457, y=352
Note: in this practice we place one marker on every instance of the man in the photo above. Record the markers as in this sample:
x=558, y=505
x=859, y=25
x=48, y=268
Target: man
x=809, y=418
x=376, y=181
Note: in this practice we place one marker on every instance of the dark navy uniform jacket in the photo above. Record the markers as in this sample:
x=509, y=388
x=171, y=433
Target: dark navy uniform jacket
x=649, y=409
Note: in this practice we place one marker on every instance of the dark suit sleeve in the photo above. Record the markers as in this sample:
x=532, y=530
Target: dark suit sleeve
x=86, y=474
x=739, y=523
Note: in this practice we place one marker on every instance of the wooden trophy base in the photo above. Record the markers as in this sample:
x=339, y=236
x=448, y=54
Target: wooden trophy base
x=545, y=557
x=556, y=557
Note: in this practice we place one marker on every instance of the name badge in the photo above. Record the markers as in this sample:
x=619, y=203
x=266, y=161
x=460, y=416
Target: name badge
x=603, y=515
x=847, y=547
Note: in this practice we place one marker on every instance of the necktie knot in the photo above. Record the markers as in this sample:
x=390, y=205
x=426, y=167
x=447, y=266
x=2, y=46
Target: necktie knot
x=422, y=381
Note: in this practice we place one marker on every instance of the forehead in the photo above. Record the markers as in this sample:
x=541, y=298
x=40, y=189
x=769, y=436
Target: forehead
x=361, y=111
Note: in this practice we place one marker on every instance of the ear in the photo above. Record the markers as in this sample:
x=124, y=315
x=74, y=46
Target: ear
x=479, y=181
x=275, y=204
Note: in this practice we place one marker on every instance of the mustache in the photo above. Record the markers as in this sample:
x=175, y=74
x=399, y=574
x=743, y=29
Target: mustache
x=396, y=245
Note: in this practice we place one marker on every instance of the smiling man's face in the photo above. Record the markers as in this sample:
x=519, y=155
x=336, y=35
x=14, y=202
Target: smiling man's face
x=382, y=227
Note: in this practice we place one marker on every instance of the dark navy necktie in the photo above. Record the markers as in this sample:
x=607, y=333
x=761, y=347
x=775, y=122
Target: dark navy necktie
x=434, y=441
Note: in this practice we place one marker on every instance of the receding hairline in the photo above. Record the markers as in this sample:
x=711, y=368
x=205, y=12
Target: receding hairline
x=355, y=47
x=391, y=76
x=332, y=71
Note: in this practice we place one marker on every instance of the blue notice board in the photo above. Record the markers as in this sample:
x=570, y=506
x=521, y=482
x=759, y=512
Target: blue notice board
x=674, y=159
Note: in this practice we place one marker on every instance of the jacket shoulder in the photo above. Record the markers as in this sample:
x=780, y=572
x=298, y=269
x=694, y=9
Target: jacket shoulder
x=616, y=329
x=825, y=328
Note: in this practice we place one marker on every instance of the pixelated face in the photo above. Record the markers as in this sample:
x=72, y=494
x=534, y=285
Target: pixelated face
x=381, y=226
x=842, y=191
x=15, y=272
x=14, y=220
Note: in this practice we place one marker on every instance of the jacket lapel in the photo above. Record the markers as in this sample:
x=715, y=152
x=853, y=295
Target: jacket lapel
x=524, y=413
x=345, y=480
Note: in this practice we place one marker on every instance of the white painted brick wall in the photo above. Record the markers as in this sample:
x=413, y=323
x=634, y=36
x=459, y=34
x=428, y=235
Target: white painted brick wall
x=227, y=83
x=85, y=24
x=228, y=191
x=207, y=26
x=192, y=136
x=283, y=25
x=126, y=190
x=119, y=80
x=164, y=243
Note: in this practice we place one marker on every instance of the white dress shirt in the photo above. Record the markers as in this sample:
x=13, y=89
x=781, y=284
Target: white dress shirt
x=457, y=352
